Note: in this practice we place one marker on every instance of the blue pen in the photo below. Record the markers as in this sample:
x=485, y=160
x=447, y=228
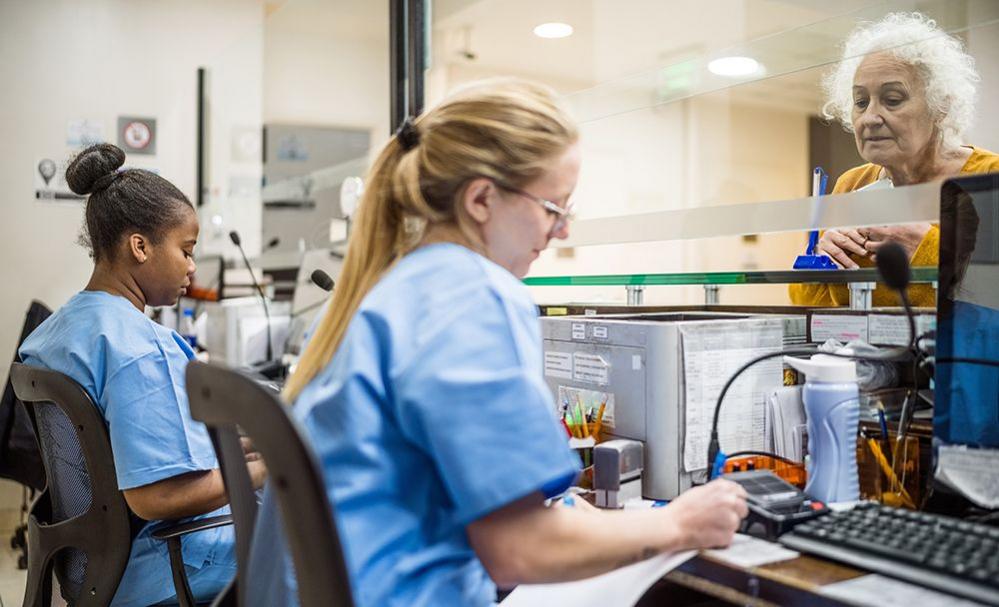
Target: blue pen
x=884, y=422
x=819, y=178
x=811, y=261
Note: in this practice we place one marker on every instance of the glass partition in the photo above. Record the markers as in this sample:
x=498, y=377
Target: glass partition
x=676, y=142
x=325, y=109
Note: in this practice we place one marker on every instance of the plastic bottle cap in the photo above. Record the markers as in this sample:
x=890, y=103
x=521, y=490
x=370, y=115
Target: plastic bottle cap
x=823, y=368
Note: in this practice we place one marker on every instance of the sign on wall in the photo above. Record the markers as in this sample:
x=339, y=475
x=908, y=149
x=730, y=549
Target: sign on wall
x=137, y=135
x=50, y=182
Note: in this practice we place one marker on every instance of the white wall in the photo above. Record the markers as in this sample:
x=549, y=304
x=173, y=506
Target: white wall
x=328, y=67
x=66, y=60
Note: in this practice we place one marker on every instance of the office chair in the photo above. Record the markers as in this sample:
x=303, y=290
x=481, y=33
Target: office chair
x=80, y=526
x=20, y=459
x=225, y=399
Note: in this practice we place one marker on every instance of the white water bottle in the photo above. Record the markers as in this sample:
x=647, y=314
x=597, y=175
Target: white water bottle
x=832, y=409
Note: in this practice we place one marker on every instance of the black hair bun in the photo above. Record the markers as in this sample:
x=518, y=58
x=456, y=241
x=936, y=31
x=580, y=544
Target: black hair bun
x=91, y=165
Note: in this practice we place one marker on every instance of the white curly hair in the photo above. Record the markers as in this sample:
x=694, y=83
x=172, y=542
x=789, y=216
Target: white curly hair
x=947, y=71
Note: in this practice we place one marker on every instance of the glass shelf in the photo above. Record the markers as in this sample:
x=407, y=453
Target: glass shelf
x=919, y=275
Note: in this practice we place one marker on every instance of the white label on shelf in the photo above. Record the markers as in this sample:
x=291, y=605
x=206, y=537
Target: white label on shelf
x=636, y=362
x=578, y=330
x=599, y=332
x=844, y=327
x=893, y=329
x=590, y=368
x=558, y=364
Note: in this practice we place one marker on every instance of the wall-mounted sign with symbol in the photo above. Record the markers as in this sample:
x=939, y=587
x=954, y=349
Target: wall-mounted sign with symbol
x=137, y=135
x=50, y=182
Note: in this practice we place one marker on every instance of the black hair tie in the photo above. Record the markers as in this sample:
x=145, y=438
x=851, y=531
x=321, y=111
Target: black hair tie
x=102, y=183
x=407, y=134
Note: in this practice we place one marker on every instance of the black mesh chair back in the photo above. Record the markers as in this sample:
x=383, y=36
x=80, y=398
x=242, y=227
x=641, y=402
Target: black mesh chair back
x=80, y=524
x=226, y=399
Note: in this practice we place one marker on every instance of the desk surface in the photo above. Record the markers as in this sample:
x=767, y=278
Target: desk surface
x=791, y=582
x=802, y=580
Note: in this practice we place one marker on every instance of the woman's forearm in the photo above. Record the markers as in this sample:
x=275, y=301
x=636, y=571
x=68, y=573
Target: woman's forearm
x=179, y=496
x=534, y=544
x=525, y=542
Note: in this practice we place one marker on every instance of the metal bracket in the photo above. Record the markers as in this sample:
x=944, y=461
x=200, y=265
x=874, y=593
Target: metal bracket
x=635, y=293
x=862, y=295
x=711, y=294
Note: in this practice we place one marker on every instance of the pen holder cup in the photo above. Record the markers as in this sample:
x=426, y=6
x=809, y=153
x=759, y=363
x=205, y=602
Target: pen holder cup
x=583, y=446
x=892, y=478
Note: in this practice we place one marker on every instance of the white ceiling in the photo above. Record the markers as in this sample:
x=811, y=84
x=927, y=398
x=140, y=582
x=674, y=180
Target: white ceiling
x=616, y=38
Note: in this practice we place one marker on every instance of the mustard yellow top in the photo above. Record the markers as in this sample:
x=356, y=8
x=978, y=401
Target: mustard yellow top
x=926, y=254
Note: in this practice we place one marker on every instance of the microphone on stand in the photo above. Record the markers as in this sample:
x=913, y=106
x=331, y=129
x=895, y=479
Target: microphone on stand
x=269, y=366
x=322, y=280
x=893, y=266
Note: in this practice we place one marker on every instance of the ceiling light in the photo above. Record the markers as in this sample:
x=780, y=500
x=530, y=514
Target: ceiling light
x=553, y=30
x=734, y=66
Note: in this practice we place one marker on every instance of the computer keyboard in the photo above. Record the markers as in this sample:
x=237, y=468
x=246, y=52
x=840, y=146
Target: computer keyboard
x=939, y=552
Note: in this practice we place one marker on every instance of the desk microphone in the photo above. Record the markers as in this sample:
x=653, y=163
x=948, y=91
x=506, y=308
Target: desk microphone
x=234, y=237
x=322, y=280
x=893, y=266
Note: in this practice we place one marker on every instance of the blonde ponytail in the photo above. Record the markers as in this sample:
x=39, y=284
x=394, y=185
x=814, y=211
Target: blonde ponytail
x=508, y=130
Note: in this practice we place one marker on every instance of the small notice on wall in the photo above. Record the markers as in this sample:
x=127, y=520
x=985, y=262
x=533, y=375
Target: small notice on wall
x=50, y=182
x=81, y=133
x=137, y=135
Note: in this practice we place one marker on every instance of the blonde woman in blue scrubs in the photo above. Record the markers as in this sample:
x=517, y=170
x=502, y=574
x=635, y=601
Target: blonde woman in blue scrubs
x=422, y=388
x=141, y=232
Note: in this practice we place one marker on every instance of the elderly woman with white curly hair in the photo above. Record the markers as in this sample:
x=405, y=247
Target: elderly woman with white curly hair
x=907, y=92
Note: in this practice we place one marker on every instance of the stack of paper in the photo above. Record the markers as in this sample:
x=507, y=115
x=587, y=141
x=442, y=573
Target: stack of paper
x=619, y=587
x=784, y=423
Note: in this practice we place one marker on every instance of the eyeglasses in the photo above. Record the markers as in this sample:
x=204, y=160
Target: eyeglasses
x=563, y=215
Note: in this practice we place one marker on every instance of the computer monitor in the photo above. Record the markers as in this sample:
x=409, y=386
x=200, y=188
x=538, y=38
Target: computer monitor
x=966, y=408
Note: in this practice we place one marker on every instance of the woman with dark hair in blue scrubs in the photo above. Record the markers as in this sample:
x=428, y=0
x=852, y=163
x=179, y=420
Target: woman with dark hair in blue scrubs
x=141, y=232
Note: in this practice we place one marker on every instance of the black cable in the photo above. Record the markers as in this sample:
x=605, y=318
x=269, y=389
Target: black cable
x=896, y=354
x=987, y=362
x=749, y=452
x=263, y=300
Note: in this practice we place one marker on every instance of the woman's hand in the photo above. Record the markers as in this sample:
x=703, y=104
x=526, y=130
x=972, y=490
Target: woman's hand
x=839, y=244
x=257, y=470
x=907, y=235
x=708, y=516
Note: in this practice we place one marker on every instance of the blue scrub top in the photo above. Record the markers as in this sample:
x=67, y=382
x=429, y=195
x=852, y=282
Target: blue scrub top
x=433, y=413
x=133, y=369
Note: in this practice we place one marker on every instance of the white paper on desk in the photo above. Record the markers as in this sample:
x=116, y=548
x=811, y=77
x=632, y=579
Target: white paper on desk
x=712, y=352
x=972, y=472
x=619, y=587
x=784, y=420
x=747, y=551
x=881, y=591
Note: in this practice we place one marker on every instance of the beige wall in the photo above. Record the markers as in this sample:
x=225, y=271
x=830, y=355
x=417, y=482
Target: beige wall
x=66, y=60
x=321, y=70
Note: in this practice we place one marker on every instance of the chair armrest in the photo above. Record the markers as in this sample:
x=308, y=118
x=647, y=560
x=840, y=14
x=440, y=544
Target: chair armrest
x=171, y=529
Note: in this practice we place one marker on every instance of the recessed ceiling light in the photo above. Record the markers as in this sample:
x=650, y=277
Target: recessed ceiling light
x=553, y=30
x=734, y=66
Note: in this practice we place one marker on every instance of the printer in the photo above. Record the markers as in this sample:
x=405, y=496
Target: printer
x=635, y=364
